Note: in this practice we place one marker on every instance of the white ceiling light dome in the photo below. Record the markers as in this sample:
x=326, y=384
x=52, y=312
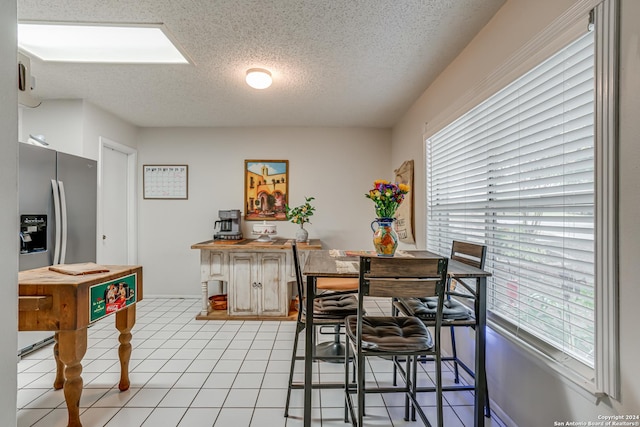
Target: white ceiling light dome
x=259, y=78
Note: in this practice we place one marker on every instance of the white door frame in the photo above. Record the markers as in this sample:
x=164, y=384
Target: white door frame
x=132, y=209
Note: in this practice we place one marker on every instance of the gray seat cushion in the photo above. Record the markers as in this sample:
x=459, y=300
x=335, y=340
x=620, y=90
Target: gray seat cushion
x=335, y=306
x=426, y=308
x=402, y=334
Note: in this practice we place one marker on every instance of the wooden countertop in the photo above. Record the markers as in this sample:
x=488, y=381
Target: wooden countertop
x=252, y=244
x=53, y=301
x=44, y=276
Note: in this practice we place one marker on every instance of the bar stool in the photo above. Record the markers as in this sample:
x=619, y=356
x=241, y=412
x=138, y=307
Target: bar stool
x=455, y=314
x=334, y=348
x=398, y=337
x=329, y=309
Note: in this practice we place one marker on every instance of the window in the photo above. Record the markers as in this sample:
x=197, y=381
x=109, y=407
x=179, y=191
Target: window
x=521, y=173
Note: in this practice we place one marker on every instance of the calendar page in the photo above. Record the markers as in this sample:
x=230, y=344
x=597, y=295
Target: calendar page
x=166, y=181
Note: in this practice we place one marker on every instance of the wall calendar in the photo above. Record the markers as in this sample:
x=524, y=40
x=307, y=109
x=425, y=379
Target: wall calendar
x=166, y=181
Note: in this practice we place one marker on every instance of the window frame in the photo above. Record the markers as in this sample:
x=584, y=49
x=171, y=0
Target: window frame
x=604, y=377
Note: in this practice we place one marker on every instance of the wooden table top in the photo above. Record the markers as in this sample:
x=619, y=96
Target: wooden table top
x=43, y=276
x=338, y=263
x=53, y=301
x=253, y=244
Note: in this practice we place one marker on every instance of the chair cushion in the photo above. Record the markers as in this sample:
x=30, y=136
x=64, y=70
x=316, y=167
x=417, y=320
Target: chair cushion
x=337, y=284
x=339, y=305
x=402, y=334
x=426, y=308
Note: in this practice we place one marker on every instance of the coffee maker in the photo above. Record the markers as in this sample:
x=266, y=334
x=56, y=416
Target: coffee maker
x=228, y=226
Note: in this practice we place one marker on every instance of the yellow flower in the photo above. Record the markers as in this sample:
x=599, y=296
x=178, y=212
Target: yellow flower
x=387, y=197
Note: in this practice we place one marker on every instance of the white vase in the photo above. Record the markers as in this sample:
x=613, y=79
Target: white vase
x=302, y=235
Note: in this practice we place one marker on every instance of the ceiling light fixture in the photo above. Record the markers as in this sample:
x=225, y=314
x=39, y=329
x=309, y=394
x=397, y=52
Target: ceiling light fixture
x=259, y=78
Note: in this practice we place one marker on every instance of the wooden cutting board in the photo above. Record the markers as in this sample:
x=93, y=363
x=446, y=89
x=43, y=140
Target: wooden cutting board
x=79, y=269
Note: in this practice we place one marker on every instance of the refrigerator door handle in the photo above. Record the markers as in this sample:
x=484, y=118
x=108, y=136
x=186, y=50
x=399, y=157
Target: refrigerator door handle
x=56, y=211
x=63, y=209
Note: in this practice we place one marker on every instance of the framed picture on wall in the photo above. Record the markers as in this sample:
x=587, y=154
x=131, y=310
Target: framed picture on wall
x=266, y=186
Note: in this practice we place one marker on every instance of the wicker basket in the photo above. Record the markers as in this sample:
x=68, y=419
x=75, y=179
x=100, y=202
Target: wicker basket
x=218, y=302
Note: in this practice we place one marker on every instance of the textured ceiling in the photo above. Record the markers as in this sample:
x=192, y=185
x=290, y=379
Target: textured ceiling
x=334, y=62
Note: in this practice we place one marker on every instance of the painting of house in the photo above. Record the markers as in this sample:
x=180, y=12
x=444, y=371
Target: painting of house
x=266, y=185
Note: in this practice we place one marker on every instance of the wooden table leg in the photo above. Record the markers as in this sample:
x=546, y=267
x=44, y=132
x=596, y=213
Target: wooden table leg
x=72, y=347
x=58, y=383
x=125, y=319
x=205, y=298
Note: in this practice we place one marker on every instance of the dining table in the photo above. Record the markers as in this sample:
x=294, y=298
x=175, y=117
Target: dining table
x=345, y=264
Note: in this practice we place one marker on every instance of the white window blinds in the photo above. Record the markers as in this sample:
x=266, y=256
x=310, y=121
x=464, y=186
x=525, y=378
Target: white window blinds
x=517, y=173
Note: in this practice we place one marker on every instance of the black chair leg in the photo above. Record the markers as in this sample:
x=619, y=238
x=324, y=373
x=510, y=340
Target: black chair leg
x=395, y=373
x=346, y=381
x=299, y=328
x=360, y=387
x=456, y=371
x=487, y=405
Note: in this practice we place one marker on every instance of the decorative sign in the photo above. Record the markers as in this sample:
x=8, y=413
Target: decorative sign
x=165, y=181
x=405, y=222
x=109, y=297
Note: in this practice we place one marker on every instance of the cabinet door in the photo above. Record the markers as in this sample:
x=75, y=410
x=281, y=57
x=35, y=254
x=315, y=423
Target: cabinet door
x=213, y=265
x=242, y=284
x=273, y=289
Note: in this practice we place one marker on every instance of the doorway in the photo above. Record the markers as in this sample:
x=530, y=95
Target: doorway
x=117, y=213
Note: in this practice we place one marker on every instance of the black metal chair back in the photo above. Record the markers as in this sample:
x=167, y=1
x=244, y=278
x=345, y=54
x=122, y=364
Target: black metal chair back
x=396, y=277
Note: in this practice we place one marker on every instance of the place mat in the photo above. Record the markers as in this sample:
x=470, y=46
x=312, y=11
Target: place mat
x=359, y=253
x=404, y=254
x=272, y=242
x=79, y=269
x=347, y=266
x=227, y=241
x=337, y=253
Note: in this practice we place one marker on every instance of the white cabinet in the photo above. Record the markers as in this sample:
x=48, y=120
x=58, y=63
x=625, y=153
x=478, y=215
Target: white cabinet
x=258, y=275
x=258, y=284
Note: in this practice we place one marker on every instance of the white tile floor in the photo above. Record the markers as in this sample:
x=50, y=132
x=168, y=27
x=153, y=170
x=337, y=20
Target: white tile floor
x=186, y=372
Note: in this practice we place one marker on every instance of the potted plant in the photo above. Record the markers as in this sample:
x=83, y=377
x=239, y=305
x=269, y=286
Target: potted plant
x=300, y=215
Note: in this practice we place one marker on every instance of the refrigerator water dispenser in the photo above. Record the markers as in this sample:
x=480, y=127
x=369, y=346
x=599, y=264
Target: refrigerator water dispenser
x=33, y=233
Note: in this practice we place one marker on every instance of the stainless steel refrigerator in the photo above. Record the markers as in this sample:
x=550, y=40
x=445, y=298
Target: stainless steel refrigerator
x=58, y=211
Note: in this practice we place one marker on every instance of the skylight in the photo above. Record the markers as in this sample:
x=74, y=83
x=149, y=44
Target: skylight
x=143, y=44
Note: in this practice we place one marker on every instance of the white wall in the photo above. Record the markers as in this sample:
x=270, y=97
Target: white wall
x=98, y=123
x=60, y=121
x=9, y=211
x=74, y=126
x=336, y=166
x=524, y=388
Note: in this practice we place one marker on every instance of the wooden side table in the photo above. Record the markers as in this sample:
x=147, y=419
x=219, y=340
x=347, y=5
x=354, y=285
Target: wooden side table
x=257, y=275
x=67, y=304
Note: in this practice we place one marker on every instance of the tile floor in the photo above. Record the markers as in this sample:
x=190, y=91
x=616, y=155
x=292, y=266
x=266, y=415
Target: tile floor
x=186, y=372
